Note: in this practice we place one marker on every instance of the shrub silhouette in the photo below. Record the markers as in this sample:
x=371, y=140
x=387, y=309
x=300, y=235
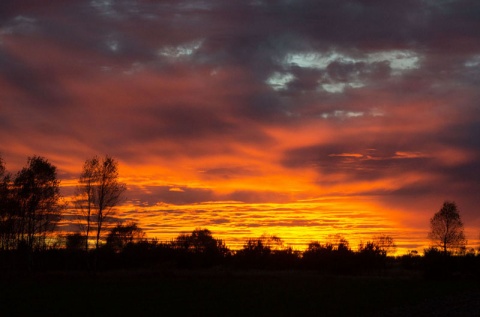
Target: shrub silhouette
x=329, y=258
x=123, y=235
x=371, y=256
x=265, y=252
x=75, y=241
x=199, y=249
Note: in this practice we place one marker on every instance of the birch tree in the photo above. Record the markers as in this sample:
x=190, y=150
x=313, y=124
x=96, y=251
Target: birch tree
x=99, y=191
x=86, y=194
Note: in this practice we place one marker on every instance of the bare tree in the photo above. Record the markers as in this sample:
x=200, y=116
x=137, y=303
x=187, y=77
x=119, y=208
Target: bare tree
x=99, y=192
x=446, y=228
x=109, y=192
x=385, y=243
x=86, y=193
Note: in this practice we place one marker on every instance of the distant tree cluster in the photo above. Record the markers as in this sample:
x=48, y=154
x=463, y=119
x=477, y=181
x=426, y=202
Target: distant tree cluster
x=127, y=247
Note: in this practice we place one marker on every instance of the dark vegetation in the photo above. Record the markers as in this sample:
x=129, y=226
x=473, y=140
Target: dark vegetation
x=31, y=206
x=126, y=248
x=196, y=273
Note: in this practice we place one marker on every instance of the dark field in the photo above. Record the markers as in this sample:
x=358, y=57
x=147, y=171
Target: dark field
x=213, y=293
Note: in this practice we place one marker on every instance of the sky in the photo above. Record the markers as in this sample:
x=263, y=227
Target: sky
x=299, y=118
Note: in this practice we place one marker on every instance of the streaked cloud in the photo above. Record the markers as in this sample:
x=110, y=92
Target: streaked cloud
x=217, y=107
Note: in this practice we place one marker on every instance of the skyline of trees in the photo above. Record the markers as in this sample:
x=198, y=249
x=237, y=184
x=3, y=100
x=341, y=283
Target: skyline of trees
x=33, y=197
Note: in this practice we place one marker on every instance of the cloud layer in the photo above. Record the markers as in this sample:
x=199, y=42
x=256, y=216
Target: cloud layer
x=252, y=101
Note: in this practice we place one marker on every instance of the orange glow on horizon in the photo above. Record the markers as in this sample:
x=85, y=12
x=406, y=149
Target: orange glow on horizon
x=290, y=129
x=298, y=223
x=294, y=207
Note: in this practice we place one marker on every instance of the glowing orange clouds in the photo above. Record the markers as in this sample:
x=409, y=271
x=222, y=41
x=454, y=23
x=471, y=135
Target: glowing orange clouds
x=297, y=223
x=275, y=125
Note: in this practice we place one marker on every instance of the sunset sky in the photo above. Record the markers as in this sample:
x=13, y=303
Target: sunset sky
x=300, y=118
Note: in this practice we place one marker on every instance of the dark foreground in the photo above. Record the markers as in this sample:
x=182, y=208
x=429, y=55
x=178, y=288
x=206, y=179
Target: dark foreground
x=224, y=293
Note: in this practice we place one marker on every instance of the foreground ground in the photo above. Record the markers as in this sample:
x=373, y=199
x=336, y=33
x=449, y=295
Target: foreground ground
x=224, y=293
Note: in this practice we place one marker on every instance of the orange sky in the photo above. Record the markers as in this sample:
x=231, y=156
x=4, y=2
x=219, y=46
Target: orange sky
x=296, y=118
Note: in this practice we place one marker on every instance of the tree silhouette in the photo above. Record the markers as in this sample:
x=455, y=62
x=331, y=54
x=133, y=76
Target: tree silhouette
x=37, y=196
x=8, y=211
x=99, y=192
x=266, y=251
x=334, y=256
x=122, y=235
x=385, y=244
x=7, y=215
x=86, y=193
x=199, y=248
x=75, y=241
x=371, y=255
x=200, y=241
x=446, y=228
x=109, y=192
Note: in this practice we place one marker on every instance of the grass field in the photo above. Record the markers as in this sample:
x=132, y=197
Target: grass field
x=213, y=293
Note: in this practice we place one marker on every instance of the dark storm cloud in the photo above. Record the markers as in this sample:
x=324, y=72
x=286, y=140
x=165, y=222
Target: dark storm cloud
x=125, y=31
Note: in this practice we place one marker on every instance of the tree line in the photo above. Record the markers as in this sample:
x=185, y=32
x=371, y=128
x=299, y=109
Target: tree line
x=31, y=207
